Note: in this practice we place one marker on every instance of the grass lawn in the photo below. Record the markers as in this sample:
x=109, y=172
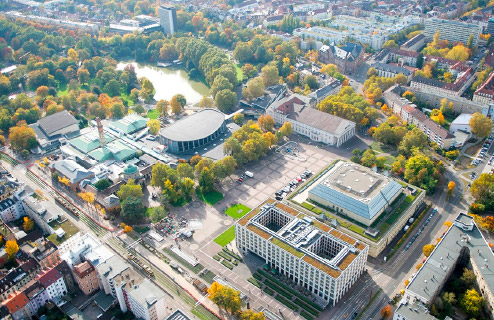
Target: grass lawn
x=226, y=237
x=210, y=198
x=376, y=146
x=63, y=90
x=240, y=74
x=237, y=211
x=69, y=228
x=152, y=114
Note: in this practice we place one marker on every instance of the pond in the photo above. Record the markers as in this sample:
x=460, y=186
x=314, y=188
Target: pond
x=169, y=82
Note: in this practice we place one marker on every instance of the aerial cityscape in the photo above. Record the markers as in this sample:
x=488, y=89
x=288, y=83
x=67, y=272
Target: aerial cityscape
x=246, y=159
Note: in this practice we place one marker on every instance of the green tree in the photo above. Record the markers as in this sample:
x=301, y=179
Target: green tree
x=311, y=81
x=162, y=107
x=206, y=180
x=184, y=170
x=226, y=100
x=480, y=125
x=472, y=302
x=270, y=75
x=159, y=174
x=102, y=184
x=243, y=52
x=139, y=109
x=420, y=171
x=130, y=189
x=414, y=138
x=206, y=102
x=157, y=214
x=117, y=110
x=220, y=83
x=255, y=88
x=113, y=88
x=368, y=158
x=390, y=44
x=83, y=76
x=468, y=278
x=132, y=209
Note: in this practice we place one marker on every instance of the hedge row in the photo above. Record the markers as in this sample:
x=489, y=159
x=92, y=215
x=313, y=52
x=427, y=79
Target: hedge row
x=255, y=282
x=225, y=256
x=217, y=258
x=287, y=302
x=232, y=254
x=306, y=315
x=273, y=286
x=291, y=290
x=257, y=276
x=304, y=306
x=227, y=264
x=268, y=291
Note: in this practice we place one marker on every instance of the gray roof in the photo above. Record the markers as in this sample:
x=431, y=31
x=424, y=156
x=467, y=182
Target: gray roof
x=112, y=267
x=147, y=293
x=437, y=268
x=7, y=203
x=178, y=315
x=196, y=126
x=357, y=189
x=57, y=121
x=392, y=68
x=413, y=311
x=72, y=170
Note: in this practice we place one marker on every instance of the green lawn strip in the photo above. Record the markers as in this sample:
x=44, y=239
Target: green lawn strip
x=208, y=276
x=187, y=265
x=227, y=264
x=287, y=248
x=240, y=73
x=268, y=291
x=225, y=256
x=291, y=290
x=305, y=307
x=237, y=211
x=255, y=282
x=306, y=315
x=226, y=237
x=149, y=212
x=69, y=228
x=217, y=258
x=210, y=198
x=152, y=114
x=280, y=291
x=287, y=302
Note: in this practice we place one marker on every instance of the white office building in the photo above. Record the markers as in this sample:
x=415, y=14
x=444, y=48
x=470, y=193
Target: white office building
x=311, y=254
x=168, y=19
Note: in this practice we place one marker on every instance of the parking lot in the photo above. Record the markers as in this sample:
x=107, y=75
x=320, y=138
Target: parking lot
x=483, y=154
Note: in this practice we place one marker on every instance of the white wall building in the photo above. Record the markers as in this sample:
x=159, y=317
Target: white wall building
x=452, y=31
x=462, y=122
x=168, y=19
x=316, y=125
x=54, y=283
x=311, y=254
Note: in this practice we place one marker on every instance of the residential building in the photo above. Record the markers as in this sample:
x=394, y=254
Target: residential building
x=485, y=92
x=178, y=315
x=316, y=125
x=11, y=209
x=134, y=293
x=465, y=77
x=347, y=58
x=64, y=269
x=390, y=71
x=7, y=189
x=54, y=284
x=17, y=304
x=357, y=192
x=18, y=277
x=453, y=31
x=80, y=248
x=259, y=105
x=462, y=241
x=51, y=131
x=331, y=87
x=414, y=44
x=45, y=253
x=490, y=27
x=86, y=277
x=311, y=254
x=168, y=19
x=36, y=294
x=408, y=112
x=39, y=214
x=462, y=122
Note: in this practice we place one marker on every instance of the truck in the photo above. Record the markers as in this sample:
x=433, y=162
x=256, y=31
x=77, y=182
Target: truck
x=249, y=174
x=200, y=286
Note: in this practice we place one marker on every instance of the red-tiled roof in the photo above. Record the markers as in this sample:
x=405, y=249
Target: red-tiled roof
x=83, y=269
x=15, y=302
x=49, y=277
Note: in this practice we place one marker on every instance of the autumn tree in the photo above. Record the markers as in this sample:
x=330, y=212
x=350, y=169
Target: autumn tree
x=206, y=102
x=286, y=129
x=11, y=248
x=154, y=126
x=22, y=137
x=451, y=188
x=176, y=107
x=238, y=118
x=225, y=100
x=28, y=224
x=390, y=44
x=480, y=125
x=472, y=302
x=225, y=297
x=266, y=122
x=255, y=88
x=482, y=190
x=427, y=249
x=206, y=180
x=252, y=315
x=269, y=75
x=162, y=107
x=414, y=138
x=437, y=116
x=128, y=229
x=386, y=311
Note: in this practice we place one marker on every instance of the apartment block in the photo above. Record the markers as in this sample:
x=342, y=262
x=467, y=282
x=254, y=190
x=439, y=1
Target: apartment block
x=311, y=254
x=168, y=19
x=485, y=92
x=86, y=277
x=451, y=30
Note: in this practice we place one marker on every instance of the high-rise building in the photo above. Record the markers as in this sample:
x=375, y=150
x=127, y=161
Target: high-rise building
x=453, y=31
x=490, y=26
x=168, y=19
x=311, y=254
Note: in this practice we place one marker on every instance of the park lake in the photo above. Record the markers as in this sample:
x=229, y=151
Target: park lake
x=170, y=81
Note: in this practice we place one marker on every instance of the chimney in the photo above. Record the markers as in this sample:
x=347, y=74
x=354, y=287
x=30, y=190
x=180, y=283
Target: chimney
x=102, y=139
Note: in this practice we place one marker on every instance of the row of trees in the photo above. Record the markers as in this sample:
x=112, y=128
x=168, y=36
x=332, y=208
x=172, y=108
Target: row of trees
x=229, y=299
